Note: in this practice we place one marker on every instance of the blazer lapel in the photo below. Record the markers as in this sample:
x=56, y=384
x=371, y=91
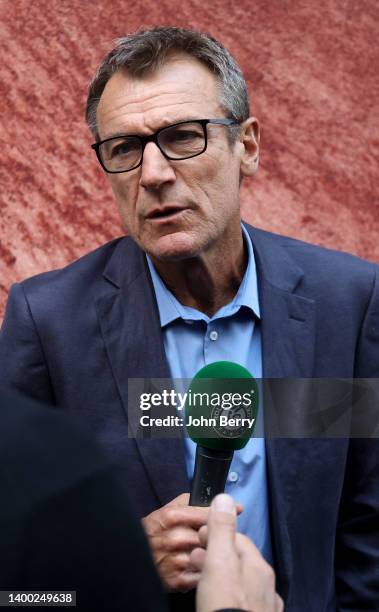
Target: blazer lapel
x=288, y=340
x=130, y=326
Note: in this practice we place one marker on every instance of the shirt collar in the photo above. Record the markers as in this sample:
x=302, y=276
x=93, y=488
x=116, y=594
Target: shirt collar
x=247, y=295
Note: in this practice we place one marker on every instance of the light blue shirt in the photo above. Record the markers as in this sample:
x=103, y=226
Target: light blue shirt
x=193, y=340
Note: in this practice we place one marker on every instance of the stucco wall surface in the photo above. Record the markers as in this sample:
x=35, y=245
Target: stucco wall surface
x=312, y=71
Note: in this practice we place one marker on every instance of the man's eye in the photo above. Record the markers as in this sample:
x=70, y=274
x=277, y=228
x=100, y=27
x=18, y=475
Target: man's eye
x=185, y=135
x=123, y=148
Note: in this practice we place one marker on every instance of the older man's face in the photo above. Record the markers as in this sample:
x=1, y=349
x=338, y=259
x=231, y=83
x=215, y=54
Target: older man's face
x=174, y=209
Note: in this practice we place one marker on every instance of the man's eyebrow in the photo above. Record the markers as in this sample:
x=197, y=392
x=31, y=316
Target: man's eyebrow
x=120, y=134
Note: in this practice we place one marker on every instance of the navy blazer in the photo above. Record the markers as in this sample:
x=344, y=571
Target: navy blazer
x=74, y=336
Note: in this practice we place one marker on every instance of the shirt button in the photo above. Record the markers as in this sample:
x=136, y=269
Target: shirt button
x=233, y=477
x=213, y=335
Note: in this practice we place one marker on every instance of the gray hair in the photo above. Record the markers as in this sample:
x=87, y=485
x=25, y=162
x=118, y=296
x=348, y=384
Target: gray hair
x=146, y=51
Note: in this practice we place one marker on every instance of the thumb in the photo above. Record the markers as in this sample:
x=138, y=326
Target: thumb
x=221, y=524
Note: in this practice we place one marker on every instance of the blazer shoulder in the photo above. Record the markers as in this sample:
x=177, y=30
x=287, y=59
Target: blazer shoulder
x=87, y=267
x=316, y=260
x=76, y=284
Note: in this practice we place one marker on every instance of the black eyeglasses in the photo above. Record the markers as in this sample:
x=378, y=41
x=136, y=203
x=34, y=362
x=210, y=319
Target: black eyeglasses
x=178, y=141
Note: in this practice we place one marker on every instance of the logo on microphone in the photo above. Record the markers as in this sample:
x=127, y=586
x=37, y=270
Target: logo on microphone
x=235, y=421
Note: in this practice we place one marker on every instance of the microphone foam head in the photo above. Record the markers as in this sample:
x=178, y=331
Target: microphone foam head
x=222, y=406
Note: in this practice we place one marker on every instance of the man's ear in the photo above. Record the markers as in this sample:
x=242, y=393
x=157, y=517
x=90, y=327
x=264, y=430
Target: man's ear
x=249, y=137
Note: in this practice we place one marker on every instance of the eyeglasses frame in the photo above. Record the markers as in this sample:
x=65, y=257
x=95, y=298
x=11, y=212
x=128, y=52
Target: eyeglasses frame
x=154, y=138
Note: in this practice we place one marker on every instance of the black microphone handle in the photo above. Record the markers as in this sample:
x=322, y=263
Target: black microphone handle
x=210, y=474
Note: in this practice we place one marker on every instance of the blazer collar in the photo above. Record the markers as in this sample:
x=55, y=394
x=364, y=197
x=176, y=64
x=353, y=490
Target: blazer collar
x=274, y=263
x=288, y=316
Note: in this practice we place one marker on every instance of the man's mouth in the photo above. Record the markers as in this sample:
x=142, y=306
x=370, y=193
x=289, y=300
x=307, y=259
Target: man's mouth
x=165, y=213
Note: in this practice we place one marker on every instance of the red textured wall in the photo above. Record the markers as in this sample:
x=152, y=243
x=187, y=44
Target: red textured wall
x=312, y=70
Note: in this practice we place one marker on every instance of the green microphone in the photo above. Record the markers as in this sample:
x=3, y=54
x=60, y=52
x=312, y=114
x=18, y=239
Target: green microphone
x=220, y=415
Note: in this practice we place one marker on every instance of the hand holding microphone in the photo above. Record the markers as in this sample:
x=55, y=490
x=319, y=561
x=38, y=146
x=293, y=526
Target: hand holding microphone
x=173, y=533
x=173, y=530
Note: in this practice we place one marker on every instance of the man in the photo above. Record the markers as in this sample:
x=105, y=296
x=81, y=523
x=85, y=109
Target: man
x=170, y=115
x=66, y=524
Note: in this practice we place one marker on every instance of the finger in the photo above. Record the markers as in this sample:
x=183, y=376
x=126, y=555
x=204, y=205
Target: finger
x=279, y=604
x=189, y=516
x=190, y=579
x=246, y=548
x=221, y=525
x=203, y=531
x=180, y=562
x=197, y=558
x=203, y=536
x=186, y=581
x=179, y=539
x=181, y=500
x=239, y=508
x=258, y=576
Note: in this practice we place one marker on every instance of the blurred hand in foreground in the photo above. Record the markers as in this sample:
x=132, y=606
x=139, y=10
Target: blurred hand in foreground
x=233, y=572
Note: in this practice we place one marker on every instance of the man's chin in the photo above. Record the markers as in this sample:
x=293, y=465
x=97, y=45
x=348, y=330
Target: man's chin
x=173, y=247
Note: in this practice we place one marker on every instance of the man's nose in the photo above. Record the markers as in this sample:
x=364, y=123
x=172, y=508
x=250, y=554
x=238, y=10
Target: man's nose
x=156, y=169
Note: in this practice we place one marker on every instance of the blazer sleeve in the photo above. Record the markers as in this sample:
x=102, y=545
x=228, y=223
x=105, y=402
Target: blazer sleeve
x=357, y=538
x=23, y=365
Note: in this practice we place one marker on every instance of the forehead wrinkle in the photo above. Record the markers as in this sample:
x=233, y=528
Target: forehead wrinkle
x=140, y=104
x=123, y=119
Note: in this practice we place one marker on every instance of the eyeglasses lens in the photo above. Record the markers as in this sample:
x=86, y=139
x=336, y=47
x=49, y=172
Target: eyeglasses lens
x=182, y=141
